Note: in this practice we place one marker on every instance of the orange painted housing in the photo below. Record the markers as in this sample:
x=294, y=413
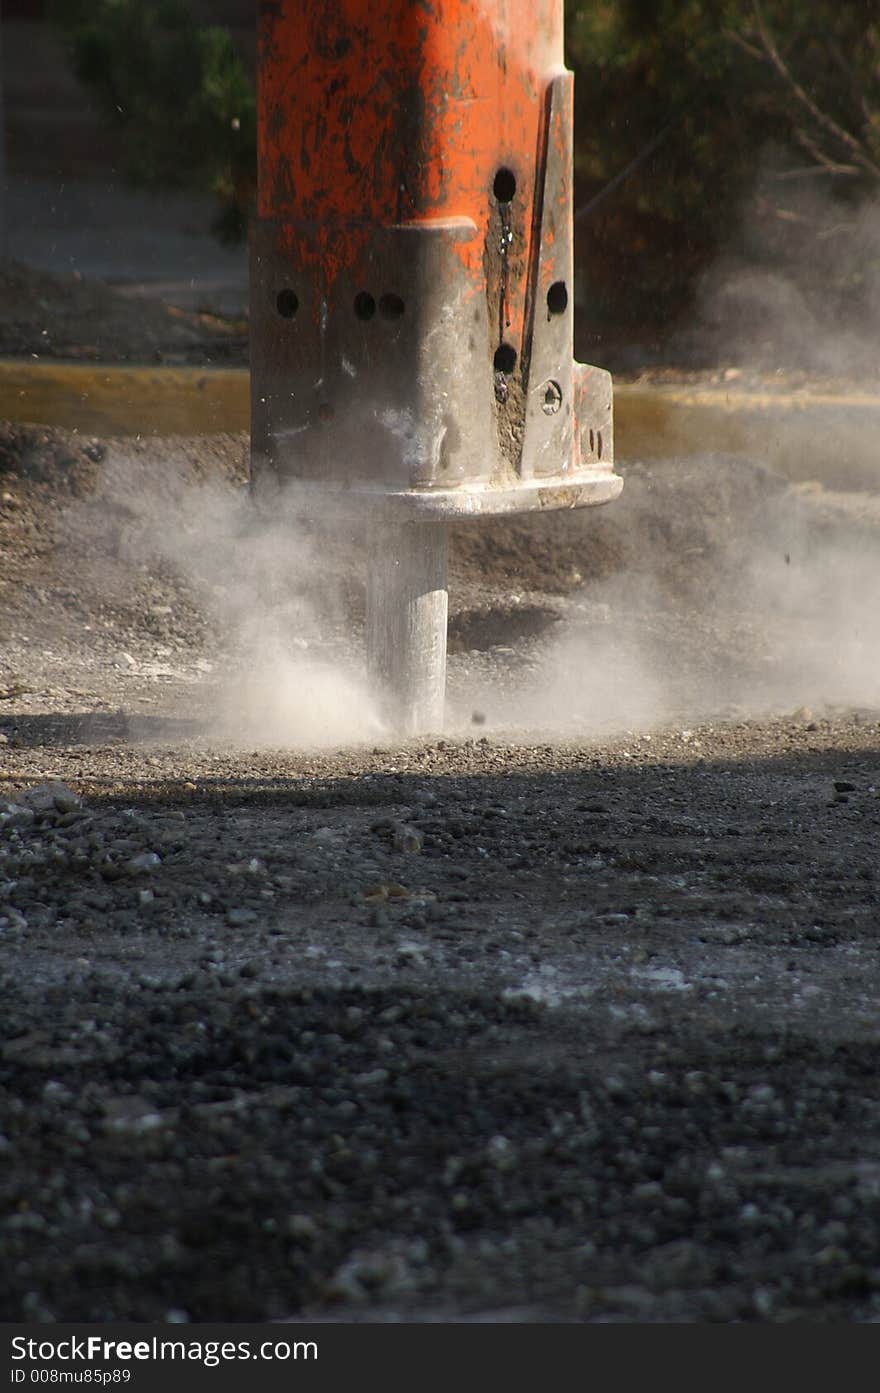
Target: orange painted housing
x=411, y=263
x=388, y=112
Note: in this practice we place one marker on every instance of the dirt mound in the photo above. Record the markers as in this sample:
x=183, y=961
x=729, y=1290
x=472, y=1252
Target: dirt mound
x=683, y=523
x=58, y=459
x=142, y=565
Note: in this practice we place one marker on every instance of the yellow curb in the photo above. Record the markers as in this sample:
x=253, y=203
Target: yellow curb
x=801, y=435
x=114, y=400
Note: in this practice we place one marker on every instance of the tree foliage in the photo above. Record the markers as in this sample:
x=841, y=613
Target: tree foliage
x=732, y=86
x=177, y=92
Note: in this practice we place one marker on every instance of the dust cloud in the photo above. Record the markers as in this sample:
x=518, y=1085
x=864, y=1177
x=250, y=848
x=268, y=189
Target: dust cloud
x=798, y=286
x=782, y=619
x=744, y=584
x=714, y=588
x=272, y=596
x=277, y=590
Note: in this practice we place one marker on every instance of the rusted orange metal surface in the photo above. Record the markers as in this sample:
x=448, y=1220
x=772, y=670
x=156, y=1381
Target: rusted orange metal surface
x=388, y=112
x=412, y=256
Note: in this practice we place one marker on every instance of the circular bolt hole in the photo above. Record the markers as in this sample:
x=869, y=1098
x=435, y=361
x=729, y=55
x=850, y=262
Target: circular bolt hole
x=552, y=398
x=287, y=303
x=505, y=358
x=391, y=306
x=364, y=305
x=504, y=185
x=557, y=298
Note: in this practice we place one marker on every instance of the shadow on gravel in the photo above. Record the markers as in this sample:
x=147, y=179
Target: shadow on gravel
x=163, y=759
x=318, y=1151
x=90, y=729
x=223, y=1123
x=481, y=630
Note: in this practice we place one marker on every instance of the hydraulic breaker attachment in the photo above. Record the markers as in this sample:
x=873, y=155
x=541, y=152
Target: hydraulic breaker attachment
x=411, y=294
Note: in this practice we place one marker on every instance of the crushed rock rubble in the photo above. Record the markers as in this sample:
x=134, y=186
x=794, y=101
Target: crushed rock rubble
x=423, y=1112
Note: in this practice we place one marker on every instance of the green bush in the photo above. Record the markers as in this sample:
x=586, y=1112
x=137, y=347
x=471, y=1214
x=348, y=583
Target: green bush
x=178, y=93
x=693, y=96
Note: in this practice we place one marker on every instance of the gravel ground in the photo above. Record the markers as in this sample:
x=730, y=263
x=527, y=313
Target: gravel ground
x=566, y=1013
